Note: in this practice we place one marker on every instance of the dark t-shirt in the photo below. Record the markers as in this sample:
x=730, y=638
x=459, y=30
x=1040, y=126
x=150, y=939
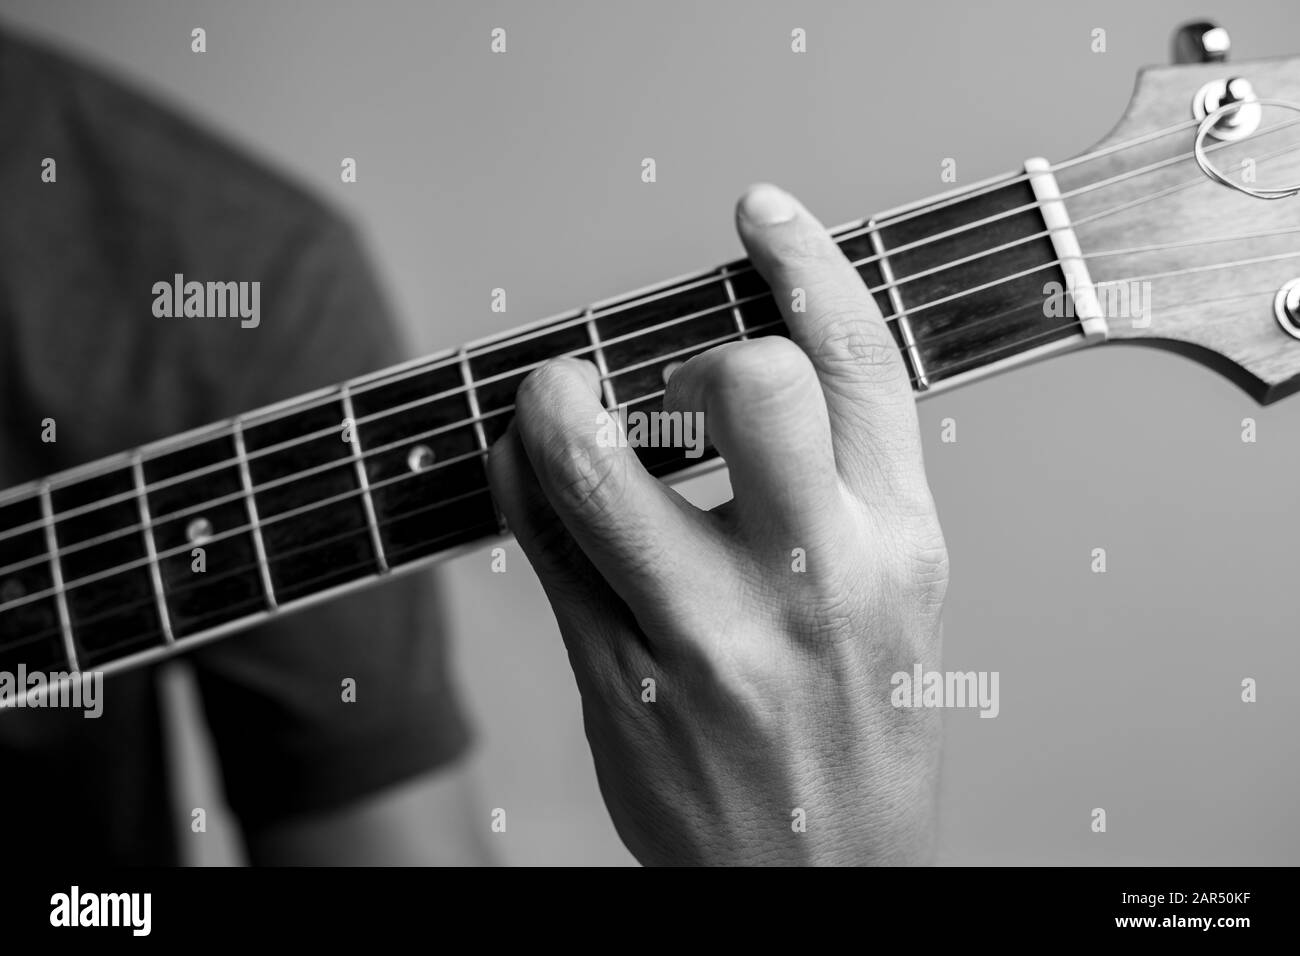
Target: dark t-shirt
x=140, y=195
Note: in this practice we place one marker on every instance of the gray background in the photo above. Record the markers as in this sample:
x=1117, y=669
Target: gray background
x=522, y=171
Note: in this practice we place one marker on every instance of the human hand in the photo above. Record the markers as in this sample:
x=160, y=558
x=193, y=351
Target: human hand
x=772, y=685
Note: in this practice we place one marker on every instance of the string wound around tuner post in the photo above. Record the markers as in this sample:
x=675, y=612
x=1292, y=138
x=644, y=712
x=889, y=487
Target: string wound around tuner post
x=1208, y=125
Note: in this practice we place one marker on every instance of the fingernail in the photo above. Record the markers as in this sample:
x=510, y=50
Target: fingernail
x=767, y=205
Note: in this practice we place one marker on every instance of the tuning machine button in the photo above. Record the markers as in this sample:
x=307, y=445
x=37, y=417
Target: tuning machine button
x=1201, y=42
x=1286, y=307
x=1236, y=123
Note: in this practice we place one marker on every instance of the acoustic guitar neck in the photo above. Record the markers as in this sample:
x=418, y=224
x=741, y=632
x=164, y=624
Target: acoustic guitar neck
x=129, y=559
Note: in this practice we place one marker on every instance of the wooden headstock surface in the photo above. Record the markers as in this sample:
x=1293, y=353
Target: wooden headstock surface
x=1197, y=263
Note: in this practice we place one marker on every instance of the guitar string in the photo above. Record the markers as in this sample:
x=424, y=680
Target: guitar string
x=843, y=234
x=261, y=599
x=406, y=441
x=960, y=198
x=735, y=302
x=960, y=329
x=477, y=453
x=257, y=604
x=334, y=429
x=317, y=544
x=146, y=560
x=348, y=463
x=715, y=277
x=425, y=369
x=1068, y=194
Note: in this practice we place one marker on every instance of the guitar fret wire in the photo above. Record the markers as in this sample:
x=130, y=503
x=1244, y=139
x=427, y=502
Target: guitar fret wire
x=48, y=509
x=477, y=419
x=606, y=386
x=56, y=577
x=910, y=351
x=638, y=301
x=408, y=440
x=947, y=370
x=869, y=259
x=476, y=416
x=1070, y=194
x=396, y=410
x=709, y=278
x=959, y=196
x=363, y=480
x=320, y=469
x=441, y=503
x=423, y=369
x=735, y=306
x=259, y=547
x=105, y=573
x=852, y=231
x=151, y=549
x=343, y=496
x=302, y=549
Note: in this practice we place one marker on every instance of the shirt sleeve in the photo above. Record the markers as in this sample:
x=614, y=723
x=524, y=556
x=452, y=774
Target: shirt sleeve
x=323, y=706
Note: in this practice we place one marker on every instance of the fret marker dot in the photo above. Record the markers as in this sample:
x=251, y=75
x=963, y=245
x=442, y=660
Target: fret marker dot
x=419, y=458
x=12, y=590
x=198, y=530
x=671, y=369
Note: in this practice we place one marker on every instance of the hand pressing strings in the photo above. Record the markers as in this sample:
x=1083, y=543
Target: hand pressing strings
x=771, y=737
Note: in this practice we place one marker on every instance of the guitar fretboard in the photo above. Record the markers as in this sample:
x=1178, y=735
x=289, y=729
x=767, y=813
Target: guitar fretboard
x=128, y=558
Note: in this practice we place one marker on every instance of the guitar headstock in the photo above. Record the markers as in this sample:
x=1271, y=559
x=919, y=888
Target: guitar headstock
x=1184, y=262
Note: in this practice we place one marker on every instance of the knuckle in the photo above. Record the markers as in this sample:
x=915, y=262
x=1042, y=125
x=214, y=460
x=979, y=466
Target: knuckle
x=850, y=344
x=762, y=368
x=919, y=570
x=928, y=572
x=590, y=483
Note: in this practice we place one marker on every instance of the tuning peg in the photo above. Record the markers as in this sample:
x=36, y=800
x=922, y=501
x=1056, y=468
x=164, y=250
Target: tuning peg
x=1201, y=42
